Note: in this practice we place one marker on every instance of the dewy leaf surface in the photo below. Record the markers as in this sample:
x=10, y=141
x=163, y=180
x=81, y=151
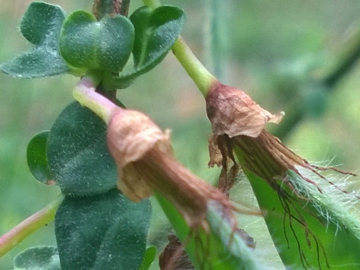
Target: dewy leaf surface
x=38, y=258
x=102, y=232
x=41, y=25
x=155, y=33
x=78, y=154
x=37, y=157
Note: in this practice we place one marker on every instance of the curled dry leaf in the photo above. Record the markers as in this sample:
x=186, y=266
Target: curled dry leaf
x=233, y=112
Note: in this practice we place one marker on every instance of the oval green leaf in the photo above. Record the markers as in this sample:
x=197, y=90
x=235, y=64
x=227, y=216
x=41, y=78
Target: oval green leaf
x=78, y=154
x=102, y=232
x=41, y=25
x=38, y=258
x=37, y=158
x=88, y=44
x=155, y=33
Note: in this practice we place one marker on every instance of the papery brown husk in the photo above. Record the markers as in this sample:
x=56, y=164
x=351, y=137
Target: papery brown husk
x=238, y=123
x=233, y=112
x=143, y=155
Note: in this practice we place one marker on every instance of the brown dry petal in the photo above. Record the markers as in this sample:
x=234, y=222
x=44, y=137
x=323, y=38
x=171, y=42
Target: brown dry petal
x=131, y=135
x=216, y=157
x=145, y=163
x=233, y=112
x=174, y=256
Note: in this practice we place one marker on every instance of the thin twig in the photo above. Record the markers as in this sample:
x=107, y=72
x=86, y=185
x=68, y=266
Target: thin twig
x=36, y=221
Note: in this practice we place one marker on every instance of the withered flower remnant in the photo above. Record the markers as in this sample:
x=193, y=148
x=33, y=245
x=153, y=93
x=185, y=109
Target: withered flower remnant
x=298, y=197
x=143, y=155
x=238, y=125
x=233, y=112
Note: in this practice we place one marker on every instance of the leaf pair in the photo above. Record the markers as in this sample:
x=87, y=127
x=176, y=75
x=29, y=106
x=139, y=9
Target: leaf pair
x=79, y=43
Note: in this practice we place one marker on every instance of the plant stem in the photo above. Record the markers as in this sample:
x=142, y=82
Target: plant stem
x=85, y=94
x=196, y=70
x=124, y=7
x=103, y=7
x=17, y=234
x=152, y=3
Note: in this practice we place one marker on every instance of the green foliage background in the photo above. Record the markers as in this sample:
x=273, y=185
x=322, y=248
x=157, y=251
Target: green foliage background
x=271, y=49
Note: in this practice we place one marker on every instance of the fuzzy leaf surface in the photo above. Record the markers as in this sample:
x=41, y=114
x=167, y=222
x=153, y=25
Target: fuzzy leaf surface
x=41, y=26
x=78, y=154
x=102, y=232
x=88, y=44
x=37, y=157
x=38, y=258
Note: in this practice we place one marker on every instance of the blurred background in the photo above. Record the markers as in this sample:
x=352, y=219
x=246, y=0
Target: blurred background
x=296, y=56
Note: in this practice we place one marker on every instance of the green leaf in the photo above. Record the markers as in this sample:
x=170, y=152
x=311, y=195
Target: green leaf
x=88, y=44
x=328, y=240
x=219, y=247
x=78, y=154
x=38, y=258
x=41, y=25
x=102, y=232
x=149, y=258
x=37, y=158
x=155, y=33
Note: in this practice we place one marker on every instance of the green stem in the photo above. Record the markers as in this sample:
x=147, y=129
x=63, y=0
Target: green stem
x=195, y=69
x=28, y=226
x=86, y=95
x=152, y=3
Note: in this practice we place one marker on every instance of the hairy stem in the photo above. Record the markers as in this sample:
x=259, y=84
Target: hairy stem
x=28, y=226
